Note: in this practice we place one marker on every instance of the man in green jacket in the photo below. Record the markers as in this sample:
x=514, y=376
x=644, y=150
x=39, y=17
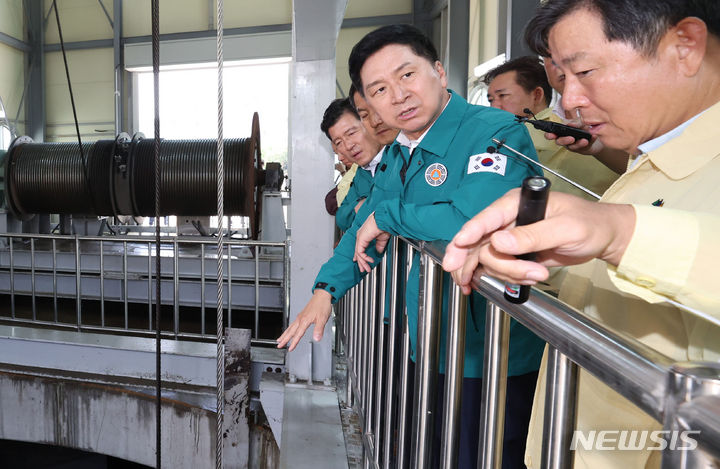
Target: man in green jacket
x=431, y=180
x=341, y=124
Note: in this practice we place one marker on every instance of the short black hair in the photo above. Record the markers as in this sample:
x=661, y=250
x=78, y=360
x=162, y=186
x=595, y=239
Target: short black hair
x=529, y=73
x=403, y=34
x=334, y=112
x=351, y=96
x=640, y=23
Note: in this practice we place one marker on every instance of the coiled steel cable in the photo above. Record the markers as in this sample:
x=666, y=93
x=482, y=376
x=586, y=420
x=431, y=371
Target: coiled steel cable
x=188, y=181
x=99, y=169
x=50, y=178
x=39, y=175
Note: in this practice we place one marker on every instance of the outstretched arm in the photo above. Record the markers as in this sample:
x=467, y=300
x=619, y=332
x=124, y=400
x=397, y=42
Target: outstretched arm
x=573, y=232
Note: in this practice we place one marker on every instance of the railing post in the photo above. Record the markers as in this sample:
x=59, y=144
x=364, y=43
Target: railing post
x=349, y=307
x=685, y=382
x=402, y=450
x=394, y=314
x=380, y=383
x=372, y=384
x=492, y=415
x=454, y=370
x=404, y=393
x=560, y=403
x=427, y=362
x=362, y=339
x=78, y=286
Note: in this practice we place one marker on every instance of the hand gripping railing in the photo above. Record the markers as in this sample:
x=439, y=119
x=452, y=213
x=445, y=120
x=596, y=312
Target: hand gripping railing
x=681, y=396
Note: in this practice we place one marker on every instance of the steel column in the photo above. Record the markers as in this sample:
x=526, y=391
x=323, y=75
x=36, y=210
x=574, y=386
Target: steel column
x=454, y=369
x=427, y=362
x=492, y=415
x=560, y=401
x=35, y=73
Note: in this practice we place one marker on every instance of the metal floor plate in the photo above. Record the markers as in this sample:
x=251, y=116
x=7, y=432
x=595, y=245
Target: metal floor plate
x=312, y=431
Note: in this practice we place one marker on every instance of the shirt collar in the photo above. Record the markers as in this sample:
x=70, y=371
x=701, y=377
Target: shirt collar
x=545, y=114
x=438, y=136
x=558, y=109
x=372, y=165
x=680, y=157
x=657, y=142
x=412, y=144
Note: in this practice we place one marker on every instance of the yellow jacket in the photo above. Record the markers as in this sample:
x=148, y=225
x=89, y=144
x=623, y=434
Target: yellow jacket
x=344, y=185
x=675, y=251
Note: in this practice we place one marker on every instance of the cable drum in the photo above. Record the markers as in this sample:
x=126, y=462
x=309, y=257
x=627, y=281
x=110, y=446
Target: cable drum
x=100, y=161
x=47, y=178
x=118, y=177
x=188, y=177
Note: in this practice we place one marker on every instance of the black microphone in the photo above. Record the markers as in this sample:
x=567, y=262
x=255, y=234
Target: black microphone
x=533, y=201
x=561, y=130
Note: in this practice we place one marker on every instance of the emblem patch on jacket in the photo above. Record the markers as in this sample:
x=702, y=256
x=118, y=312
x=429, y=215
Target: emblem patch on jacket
x=487, y=163
x=436, y=174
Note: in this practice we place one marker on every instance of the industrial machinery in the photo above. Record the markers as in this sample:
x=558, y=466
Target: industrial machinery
x=94, y=268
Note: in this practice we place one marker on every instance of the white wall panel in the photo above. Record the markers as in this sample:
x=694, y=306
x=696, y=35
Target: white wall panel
x=12, y=80
x=81, y=20
x=11, y=18
x=91, y=73
x=362, y=8
x=346, y=40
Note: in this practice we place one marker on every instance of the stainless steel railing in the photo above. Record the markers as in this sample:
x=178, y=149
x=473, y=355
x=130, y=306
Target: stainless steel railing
x=681, y=396
x=113, y=269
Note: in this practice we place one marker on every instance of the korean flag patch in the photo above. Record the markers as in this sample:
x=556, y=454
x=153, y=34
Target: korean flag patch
x=487, y=163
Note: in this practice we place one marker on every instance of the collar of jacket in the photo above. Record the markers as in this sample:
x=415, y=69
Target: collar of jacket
x=698, y=145
x=443, y=130
x=547, y=114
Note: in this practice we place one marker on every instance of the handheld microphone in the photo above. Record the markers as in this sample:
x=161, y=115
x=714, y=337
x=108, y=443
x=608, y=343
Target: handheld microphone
x=561, y=130
x=533, y=201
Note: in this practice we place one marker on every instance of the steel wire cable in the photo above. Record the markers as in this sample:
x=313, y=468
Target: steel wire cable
x=155, y=7
x=72, y=95
x=220, y=372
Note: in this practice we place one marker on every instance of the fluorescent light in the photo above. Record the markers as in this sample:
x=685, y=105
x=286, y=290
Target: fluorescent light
x=485, y=67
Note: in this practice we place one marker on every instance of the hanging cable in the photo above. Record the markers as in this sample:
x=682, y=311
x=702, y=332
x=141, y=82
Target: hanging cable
x=155, y=7
x=72, y=96
x=221, y=215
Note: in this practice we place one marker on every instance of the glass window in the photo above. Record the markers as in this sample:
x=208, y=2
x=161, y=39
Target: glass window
x=188, y=102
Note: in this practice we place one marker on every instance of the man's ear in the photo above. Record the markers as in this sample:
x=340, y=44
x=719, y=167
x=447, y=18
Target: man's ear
x=688, y=41
x=538, y=95
x=438, y=66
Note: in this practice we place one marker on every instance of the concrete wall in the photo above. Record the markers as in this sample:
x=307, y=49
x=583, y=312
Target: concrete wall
x=104, y=419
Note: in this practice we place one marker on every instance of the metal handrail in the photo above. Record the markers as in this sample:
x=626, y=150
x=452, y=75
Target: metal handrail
x=75, y=243
x=583, y=341
x=681, y=396
x=144, y=239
